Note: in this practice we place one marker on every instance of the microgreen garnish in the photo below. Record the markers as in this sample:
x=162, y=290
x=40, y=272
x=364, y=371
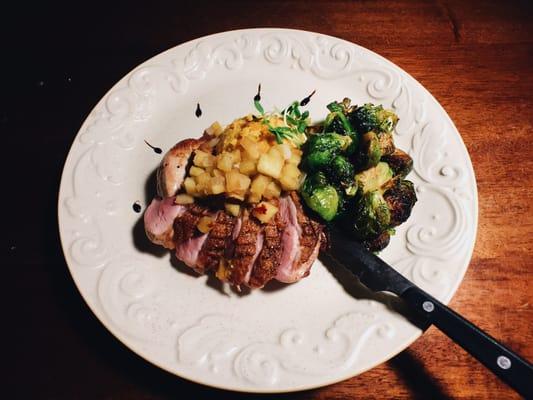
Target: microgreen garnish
x=294, y=123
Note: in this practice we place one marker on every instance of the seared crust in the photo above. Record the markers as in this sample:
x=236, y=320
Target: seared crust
x=171, y=171
x=245, y=250
x=185, y=225
x=166, y=239
x=217, y=242
x=268, y=261
x=311, y=231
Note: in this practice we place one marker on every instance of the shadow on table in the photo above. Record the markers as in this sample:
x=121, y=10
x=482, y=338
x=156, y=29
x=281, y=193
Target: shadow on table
x=412, y=372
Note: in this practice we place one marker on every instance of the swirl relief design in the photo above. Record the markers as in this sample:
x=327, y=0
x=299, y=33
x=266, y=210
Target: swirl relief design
x=219, y=344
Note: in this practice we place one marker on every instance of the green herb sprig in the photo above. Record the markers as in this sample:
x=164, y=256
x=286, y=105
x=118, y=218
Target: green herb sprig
x=295, y=123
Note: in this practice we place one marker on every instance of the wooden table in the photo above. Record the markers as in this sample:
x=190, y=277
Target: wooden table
x=476, y=59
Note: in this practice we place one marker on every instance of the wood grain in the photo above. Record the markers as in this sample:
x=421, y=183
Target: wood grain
x=475, y=57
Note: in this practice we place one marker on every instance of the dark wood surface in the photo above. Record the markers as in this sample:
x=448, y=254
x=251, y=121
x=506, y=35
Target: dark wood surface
x=477, y=60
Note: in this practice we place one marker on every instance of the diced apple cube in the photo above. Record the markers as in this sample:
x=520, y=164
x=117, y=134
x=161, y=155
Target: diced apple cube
x=259, y=185
x=236, y=182
x=270, y=164
x=184, y=199
x=225, y=161
x=195, y=171
x=203, y=159
x=217, y=185
x=190, y=186
x=248, y=167
x=264, y=211
x=296, y=156
x=250, y=147
x=233, y=209
x=214, y=130
x=272, y=191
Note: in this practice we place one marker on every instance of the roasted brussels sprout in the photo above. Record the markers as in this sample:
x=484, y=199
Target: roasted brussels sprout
x=370, y=203
x=373, y=178
x=342, y=172
x=322, y=148
x=369, y=117
x=378, y=243
x=400, y=162
x=370, y=217
x=319, y=196
x=400, y=198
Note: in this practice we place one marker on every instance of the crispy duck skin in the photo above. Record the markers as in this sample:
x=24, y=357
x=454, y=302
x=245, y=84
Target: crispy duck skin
x=173, y=167
x=248, y=245
x=216, y=243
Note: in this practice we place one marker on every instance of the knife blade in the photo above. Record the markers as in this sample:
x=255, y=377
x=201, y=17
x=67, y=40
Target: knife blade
x=379, y=276
x=371, y=270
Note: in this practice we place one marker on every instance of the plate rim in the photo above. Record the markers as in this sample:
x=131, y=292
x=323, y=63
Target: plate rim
x=122, y=338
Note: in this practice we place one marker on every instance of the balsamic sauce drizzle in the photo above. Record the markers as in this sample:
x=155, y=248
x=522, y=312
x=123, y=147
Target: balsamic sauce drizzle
x=137, y=207
x=257, y=97
x=306, y=100
x=157, y=150
x=198, y=111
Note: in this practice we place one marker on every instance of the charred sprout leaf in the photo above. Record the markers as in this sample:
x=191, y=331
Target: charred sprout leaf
x=369, y=117
x=337, y=121
x=371, y=216
x=400, y=162
x=341, y=172
x=319, y=196
x=373, y=178
x=400, y=199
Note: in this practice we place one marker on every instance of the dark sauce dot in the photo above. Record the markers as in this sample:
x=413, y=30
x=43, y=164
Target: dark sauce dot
x=198, y=111
x=257, y=97
x=306, y=100
x=157, y=150
x=137, y=207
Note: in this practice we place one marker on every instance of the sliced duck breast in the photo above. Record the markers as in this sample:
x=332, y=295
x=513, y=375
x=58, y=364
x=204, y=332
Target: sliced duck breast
x=290, y=240
x=266, y=266
x=309, y=232
x=248, y=245
x=185, y=225
x=217, y=242
x=189, y=241
x=188, y=251
x=159, y=221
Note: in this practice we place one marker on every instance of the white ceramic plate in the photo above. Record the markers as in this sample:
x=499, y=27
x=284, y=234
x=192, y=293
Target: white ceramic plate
x=299, y=336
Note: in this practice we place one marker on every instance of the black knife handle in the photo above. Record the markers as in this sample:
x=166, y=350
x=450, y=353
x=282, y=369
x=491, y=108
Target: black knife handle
x=509, y=366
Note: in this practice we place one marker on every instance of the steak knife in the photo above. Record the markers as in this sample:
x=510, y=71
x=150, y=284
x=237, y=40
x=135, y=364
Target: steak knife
x=378, y=276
